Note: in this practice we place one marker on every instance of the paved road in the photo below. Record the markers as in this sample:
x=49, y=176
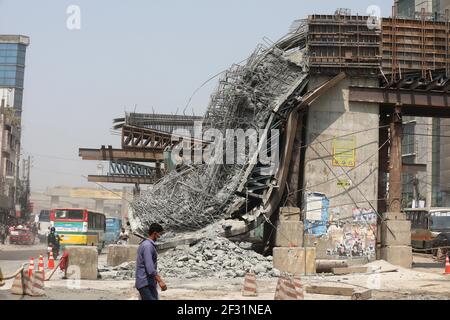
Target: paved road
x=21, y=255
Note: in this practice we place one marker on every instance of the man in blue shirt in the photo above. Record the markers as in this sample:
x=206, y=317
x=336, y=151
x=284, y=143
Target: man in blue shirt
x=147, y=266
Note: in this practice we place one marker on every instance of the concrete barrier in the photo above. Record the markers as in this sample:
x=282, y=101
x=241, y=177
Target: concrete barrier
x=398, y=255
x=396, y=233
x=293, y=261
x=289, y=233
x=85, y=259
x=118, y=254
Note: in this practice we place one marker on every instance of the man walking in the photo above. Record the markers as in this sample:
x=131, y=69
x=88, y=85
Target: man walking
x=147, y=266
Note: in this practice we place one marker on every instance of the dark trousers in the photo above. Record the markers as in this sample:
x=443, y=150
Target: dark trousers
x=149, y=293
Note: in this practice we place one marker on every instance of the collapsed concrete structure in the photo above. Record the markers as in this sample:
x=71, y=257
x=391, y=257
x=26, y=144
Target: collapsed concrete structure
x=335, y=88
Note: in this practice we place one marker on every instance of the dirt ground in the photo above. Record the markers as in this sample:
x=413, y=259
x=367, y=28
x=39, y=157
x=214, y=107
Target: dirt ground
x=424, y=281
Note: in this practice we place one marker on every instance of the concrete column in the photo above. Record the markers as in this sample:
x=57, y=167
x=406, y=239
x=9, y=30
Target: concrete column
x=124, y=207
x=429, y=177
x=54, y=201
x=395, y=163
x=99, y=205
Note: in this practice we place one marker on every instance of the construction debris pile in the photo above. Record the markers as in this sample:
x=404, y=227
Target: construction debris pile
x=197, y=195
x=210, y=258
x=218, y=258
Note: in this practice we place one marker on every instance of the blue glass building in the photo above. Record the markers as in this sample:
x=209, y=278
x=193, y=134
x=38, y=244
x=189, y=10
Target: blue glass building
x=12, y=66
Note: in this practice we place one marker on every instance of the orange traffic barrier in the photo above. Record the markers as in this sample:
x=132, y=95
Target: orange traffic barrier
x=447, y=266
x=51, y=262
x=41, y=264
x=299, y=288
x=26, y=285
x=288, y=289
x=31, y=267
x=250, y=286
x=36, y=285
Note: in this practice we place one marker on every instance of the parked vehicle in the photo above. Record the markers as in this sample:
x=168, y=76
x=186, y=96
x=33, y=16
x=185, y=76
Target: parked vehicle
x=113, y=226
x=21, y=235
x=44, y=225
x=430, y=228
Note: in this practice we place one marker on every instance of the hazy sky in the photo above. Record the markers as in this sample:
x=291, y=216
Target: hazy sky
x=143, y=53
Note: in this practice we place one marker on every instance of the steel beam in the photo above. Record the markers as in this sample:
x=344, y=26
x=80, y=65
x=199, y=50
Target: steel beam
x=108, y=154
x=129, y=169
x=123, y=180
x=143, y=138
x=414, y=102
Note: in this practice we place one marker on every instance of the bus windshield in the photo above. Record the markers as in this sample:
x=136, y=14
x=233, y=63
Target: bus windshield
x=69, y=214
x=440, y=220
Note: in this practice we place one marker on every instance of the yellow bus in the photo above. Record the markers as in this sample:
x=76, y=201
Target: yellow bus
x=79, y=227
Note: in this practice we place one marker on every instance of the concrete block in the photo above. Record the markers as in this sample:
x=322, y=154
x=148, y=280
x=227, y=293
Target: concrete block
x=322, y=245
x=85, y=261
x=398, y=255
x=290, y=214
x=396, y=233
x=394, y=216
x=289, y=233
x=134, y=240
x=293, y=260
x=118, y=254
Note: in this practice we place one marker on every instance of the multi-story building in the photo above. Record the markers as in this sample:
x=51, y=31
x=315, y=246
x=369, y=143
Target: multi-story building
x=12, y=70
x=422, y=143
x=413, y=8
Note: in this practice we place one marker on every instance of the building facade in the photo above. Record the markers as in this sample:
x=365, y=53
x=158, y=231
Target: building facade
x=413, y=8
x=422, y=143
x=12, y=70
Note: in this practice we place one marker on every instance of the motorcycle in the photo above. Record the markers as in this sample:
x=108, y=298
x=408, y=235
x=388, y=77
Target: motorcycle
x=52, y=248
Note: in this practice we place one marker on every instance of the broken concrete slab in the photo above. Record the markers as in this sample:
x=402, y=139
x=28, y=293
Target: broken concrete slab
x=294, y=261
x=331, y=291
x=289, y=234
x=83, y=262
x=350, y=270
x=173, y=243
x=362, y=295
x=118, y=254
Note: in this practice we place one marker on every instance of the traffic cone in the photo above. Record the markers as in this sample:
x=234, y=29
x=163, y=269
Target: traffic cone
x=278, y=288
x=18, y=284
x=41, y=264
x=31, y=267
x=250, y=286
x=299, y=288
x=51, y=262
x=287, y=290
x=447, y=266
x=36, y=287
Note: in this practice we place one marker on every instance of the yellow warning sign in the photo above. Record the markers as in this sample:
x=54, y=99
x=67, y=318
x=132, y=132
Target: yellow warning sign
x=344, y=151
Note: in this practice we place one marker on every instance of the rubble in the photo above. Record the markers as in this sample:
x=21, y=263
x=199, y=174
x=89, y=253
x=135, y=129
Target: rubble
x=210, y=258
